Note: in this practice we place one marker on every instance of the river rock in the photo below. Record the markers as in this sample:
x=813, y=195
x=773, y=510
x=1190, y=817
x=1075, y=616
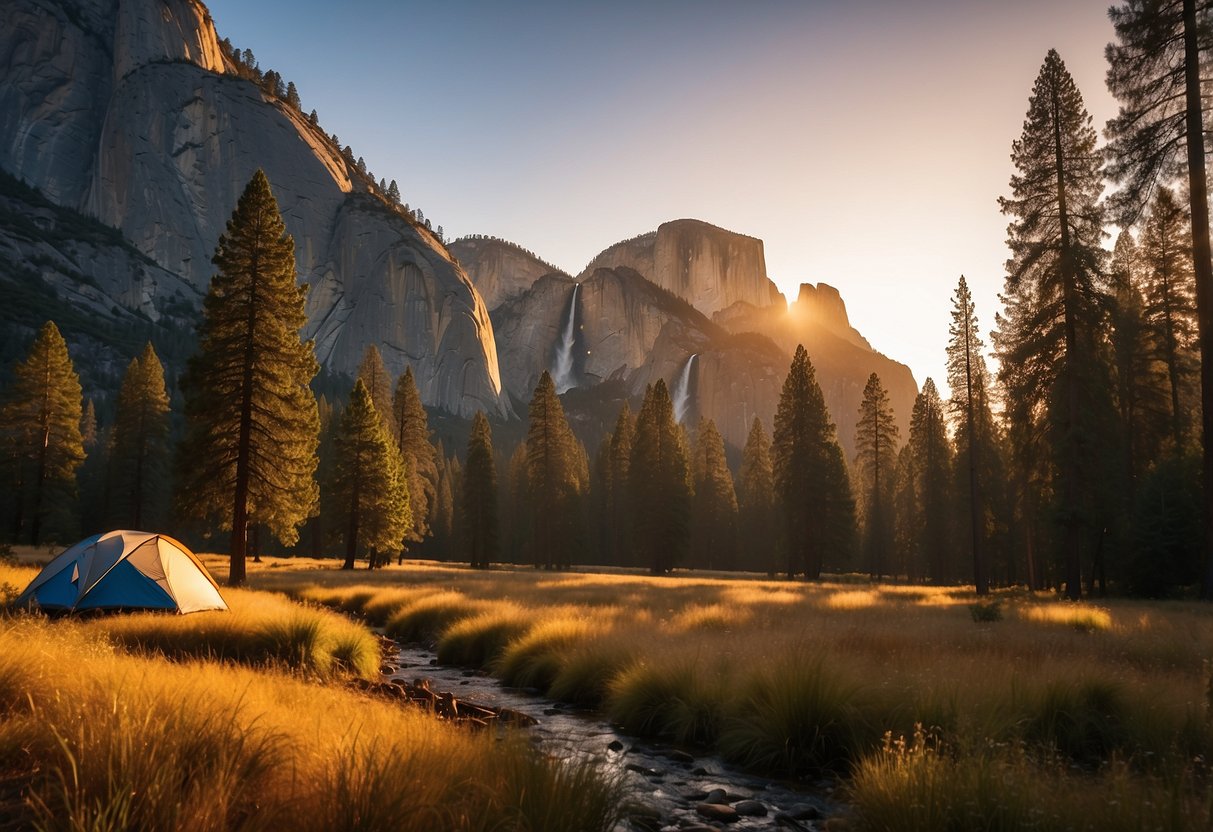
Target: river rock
x=751, y=808
x=718, y=796
x=717, y=812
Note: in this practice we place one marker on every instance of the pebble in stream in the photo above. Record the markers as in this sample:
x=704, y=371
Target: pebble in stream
x=667, y=788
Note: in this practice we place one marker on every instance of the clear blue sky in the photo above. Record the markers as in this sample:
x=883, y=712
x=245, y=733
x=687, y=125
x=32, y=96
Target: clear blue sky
x=865, y=142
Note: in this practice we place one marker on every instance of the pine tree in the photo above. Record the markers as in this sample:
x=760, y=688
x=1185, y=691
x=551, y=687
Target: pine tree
x=91, y=477
x=370, y=494
x=443, y=523
x=251, y=420
x=756, y=501
x=478, y=527
x=714, y=504
x=929, y=468
x=555, y=477
x=139, y=450
x=1054, y=297
x=40, y=439
x=970, y=411
x=411, y=430
x=516, y=509
x=811, y=480
x=393, y=192
x=1155, y=71
x=292, y=96
x=620, y=551
x=876, y=440
x=659, y=479
x=378, y=381
x=1169, y=306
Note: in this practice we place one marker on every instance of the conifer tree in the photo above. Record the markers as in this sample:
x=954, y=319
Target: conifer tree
x=928, y=473
x=714, y=504
x=619, y=506
x=41, y=442
x=756, y=501
x=516, y=520
x=444, y=507
x=1169, y=306
x=478, y=529
x=659, y=479
x=139, y=450
x=292, y=96
x=811, y=480
x=251, y=419
x=393, y=192
x=1155, y=71
x=91, y=477
x=378, y=381
x=1054, y=298
x=876, y=440
x=970, y=411
x=369, y=491
x=411, y=430
x=555, y=477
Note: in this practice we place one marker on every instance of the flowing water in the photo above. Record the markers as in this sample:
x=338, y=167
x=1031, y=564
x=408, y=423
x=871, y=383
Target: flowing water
x=682, y=389
x=665, y=783
x=562, y=371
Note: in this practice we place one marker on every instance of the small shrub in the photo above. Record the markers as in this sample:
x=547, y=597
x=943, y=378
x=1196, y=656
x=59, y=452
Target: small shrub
x=1083, y=720
x=984, y=612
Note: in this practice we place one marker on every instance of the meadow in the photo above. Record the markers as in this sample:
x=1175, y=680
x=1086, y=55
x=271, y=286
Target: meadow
x=240, y=721
x=934, y=710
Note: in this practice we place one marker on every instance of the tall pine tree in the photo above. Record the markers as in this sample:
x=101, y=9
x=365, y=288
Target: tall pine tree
x=618, y=502
x=1155, y=72
x=876, y=440
x=659, y=480
x=714, y=504
x=370, y=495
x=928, y=473
x=41, y=442
x=478, y=525
x=378, y=381
x=139, y=445
x=411, y=429
x=811, y=480
x=556, y=478
x=251, y=421
x=756, y=502
x=1054, y=299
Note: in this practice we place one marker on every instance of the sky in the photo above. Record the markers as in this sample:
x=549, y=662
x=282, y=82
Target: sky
x=865, y=142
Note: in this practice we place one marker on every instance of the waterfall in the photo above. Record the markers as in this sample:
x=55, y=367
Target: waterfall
x=682, y=390
x=562, y=371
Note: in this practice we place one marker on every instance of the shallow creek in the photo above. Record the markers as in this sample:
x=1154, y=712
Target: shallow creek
x=667, y=785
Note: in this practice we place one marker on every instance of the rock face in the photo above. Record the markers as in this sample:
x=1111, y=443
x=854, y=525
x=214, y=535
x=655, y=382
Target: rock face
x=709, y=267
x=498, y=269
x=127, y=110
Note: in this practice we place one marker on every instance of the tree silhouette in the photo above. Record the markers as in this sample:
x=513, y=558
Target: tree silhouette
x=876, y=440
x=41, y=442
x=714, y=504
x=251, y=419
x=659, y=479
x=139, y=443
x=1053, y=298
x=478, y=527
x=756, y=500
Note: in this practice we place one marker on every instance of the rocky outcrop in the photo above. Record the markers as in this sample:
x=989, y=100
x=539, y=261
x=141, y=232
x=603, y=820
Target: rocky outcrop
x=498, y=269
x=709, y=267
x=123, y=109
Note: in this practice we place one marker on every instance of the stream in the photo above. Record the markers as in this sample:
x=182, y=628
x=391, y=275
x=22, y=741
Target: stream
x=668, y=787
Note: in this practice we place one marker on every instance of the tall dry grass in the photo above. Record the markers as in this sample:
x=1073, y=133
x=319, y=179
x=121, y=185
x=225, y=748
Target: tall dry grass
x=794, y=678
x=95, y=738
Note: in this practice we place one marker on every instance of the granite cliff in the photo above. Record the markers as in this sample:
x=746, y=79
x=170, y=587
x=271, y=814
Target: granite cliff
x=129, y=112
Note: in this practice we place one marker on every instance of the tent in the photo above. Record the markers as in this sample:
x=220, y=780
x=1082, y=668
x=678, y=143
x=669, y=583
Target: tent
x=124, y=570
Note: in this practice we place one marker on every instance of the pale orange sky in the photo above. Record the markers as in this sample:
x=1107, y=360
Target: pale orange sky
x=865, y=142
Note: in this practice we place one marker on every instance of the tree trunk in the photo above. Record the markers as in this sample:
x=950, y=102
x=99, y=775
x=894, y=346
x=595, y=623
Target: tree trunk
x=980, y=580
x=1203, y=264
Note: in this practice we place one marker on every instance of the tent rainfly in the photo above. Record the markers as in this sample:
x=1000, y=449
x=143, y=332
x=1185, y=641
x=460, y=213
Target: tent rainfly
x=124, y=570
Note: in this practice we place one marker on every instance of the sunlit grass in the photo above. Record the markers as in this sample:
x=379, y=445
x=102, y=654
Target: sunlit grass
x=104, y=740
x=1083, y=617
x=855, y=599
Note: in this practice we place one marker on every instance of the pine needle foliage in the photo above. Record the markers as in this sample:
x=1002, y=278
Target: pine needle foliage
x=659, y=478
x=1055, y=296
x=714, y=505
x=411, y=429
x=41, y=442
x=369, y=490
x=139, y=444
x=756, y=502
x=478, y=522
x=374, y=374
x=556, y=477
x=811, y=478
x=251, y=421
x=929, y=460
x=876, y=441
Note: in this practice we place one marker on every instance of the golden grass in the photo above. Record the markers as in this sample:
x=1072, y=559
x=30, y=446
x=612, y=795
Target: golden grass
x=92, y=738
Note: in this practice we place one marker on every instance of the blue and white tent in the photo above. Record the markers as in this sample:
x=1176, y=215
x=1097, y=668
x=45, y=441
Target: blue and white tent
x=124, y=570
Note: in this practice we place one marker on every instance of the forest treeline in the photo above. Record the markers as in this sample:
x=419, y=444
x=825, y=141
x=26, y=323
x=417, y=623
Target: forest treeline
x=1079, y=465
